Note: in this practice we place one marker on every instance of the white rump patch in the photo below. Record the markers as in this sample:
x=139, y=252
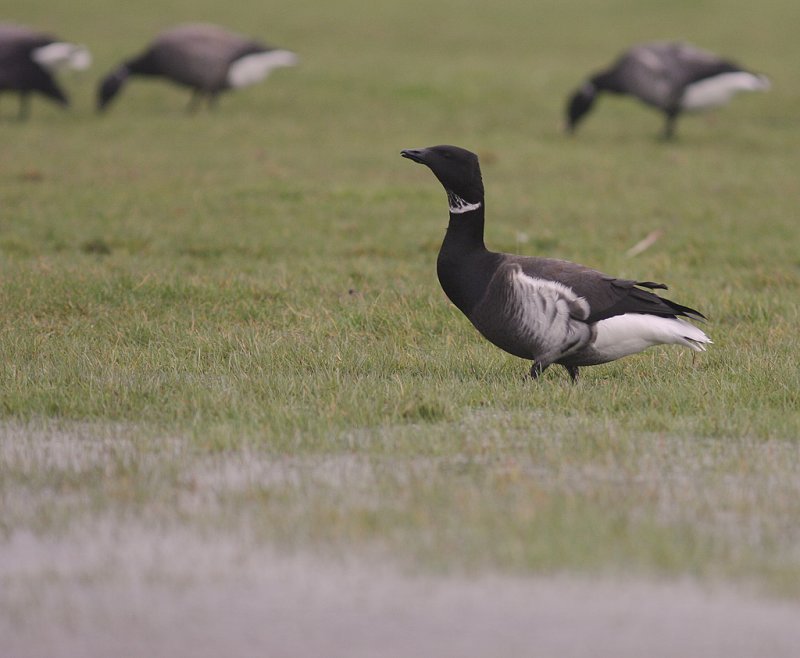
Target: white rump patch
x=459, y=205
x=631, y=333
x=60, y=55
x=250, y=69
x=719, y=89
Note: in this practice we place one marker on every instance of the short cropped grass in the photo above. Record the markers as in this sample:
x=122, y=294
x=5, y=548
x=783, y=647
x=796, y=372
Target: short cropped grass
x=231, y=320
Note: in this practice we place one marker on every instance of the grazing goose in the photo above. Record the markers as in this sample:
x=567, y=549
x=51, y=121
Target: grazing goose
x=543, y=309
x=207, y=58
x=28, y=60
x=673, y=77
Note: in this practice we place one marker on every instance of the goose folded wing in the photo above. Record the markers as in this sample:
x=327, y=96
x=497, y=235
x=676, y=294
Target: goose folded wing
x=690, y=64
x=631, y=298
x=606, y=295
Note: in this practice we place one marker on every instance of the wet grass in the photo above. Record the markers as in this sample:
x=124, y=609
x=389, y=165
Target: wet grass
x=259, y=282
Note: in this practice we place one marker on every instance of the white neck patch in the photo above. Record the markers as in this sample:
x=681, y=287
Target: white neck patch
x=458, y=206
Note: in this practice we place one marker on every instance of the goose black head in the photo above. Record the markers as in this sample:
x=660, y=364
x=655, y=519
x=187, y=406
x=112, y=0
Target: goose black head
x=579, y=104
x=457, y=170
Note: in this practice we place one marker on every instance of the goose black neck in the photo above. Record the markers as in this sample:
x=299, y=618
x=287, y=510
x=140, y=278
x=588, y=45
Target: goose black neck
x=464, y=264
x=144, y=64
x=465, y=229
x=606, y=81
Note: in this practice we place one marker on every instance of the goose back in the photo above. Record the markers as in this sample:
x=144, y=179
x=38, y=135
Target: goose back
x=198, y=55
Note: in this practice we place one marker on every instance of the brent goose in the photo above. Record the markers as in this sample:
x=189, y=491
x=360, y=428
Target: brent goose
x=207, y=58
x=28, y=59
x=543, y=309
x=673, y=77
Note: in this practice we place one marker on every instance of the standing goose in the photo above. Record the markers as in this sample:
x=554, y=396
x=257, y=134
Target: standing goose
x=28, y=59
x=543, y=309
x=207, y=58
x=673, y=77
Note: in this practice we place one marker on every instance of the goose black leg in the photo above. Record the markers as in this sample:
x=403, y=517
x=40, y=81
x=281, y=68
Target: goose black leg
x=573, y=373
x=669, y=126
x=537, y=369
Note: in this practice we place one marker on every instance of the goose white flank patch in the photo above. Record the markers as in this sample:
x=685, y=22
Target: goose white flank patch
x=28, y=60
x=672, y=77
x=544, y=310
x=206, y=58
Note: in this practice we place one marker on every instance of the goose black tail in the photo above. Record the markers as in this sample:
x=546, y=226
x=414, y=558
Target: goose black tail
x=686, y=311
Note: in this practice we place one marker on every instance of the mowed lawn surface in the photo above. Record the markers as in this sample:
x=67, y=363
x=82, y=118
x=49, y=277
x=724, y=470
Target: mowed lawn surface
x=230, y=322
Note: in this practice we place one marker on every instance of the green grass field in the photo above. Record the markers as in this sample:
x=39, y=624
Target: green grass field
x=230, y=322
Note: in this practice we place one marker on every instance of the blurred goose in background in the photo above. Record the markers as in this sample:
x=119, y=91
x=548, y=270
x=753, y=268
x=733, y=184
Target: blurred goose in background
x=28, y=60
x=543, y=309
x=207, y=58
x=673, y=77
